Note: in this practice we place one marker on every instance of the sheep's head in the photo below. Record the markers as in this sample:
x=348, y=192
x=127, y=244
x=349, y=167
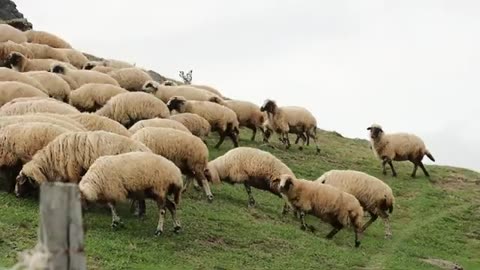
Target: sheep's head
x=268, y=106
x=375, y=131
x=283, y=183
x=25, y=185
x=14, y=59
x=89, y=66
x=150, y=87
x=212, y=175
x=177, y=103
x=57, y=68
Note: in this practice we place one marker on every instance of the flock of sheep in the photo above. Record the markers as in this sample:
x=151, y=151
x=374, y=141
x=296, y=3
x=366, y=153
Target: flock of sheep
x=118, y=134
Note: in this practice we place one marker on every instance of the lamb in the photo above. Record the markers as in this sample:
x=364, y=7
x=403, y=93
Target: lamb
x=19, y=62
x=157, y=122
x=136, y=175
x=41, y=51
x=8, y=47
x=82, y=77
x=11, y=33
x=188, y=152
x=131, y=107
x=221, y=119
x=287, y=119
x=248, y=114
x=93, y=122
x=76, y=58
x=68, y=157
x=165, y=92
x=7, y=74
x=10, y=90
x=250, y=167
x=398, y=147
x=46, y=105
x=131, y=79
x=55, y=87
x=53, y=119
x=374, y=195
x=328, y=203
x=197, y=125
x=92, y=96
x=46, y=38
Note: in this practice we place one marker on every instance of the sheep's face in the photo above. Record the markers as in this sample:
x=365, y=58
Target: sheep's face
x=375, y=132
x=212, y=175
x=89, y=66
x=58, y=69
x=25, y=185
x=176, y=104
x=13, y=60
x=284, y=183
x=149, y=87
x=268, y=106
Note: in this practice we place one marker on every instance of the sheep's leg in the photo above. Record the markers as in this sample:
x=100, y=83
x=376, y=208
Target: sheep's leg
x=116, y=222
x=234, y=138
x=222, y=138
x=304, y=225
x=386, y=221
x=173, y=211
x=303, y=142
x=139, y=208
x=161, y=218
x=251, y=200
x=358, y=236
x=372, y=219
x=203, y=182
x=414, y=172
x=254, y=133
x=286, y=140
x=394, y=173
x=314, y=138
x=423, y=169
x=336, y=228
x=384, y=168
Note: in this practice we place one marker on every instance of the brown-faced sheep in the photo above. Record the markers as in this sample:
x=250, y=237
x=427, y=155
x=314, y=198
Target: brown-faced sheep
x=19, y=62
x=82, y=77
x=21, y=106
x=197, y=125
x=374, y=195
x=74, y=57
x=328, y=203
x=41, y=51
x=132, y=79
x=46, y=38
x=8, y=47
x=398, y=147
x=135, y=175
x=11, y=33
x=7, y=74
x=10, y=90
x=131, y=107
x=158, y=122
x=55, y=87
x=68, y=157
x=93, y=122
x=92, y=96
x=166, y=92
x=221, y=119
x=248, y=114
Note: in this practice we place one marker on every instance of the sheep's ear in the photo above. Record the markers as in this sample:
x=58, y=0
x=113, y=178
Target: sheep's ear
x=369, y=128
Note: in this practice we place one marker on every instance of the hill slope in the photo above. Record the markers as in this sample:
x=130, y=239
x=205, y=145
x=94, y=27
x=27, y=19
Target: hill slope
x=433, y=219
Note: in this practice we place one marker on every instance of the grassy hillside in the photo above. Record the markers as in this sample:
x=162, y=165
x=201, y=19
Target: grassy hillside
x=433, y=219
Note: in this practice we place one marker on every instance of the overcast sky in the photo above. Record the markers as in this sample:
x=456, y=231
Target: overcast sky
x=410, y=66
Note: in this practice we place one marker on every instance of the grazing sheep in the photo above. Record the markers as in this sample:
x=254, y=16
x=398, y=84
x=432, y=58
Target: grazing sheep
x=398, y=147
x=68, y=157
x=82, y=77
x=91, y=65
x=19, y=62
x=158, y=122
x=374, y=195
x=46, y=38
x=55, y=87
x=221, y=119
x=74, y=57
x=188, y=152
x=328, y=203
x=115, y=64
x=135, y=175
x=209, y=89
x=10, y=90
x=291, y=119
x=166, y=92
x=268, y=131
x=11, y=33
x=93, y=122
x=131, y=107
x=92, y=96
x=44, y=105
x=8, y=47
x=248, y=114
x=7, y=74
x=250, y=167
x=197, y=125
x=41, y=51
x=54, y=119
x=131, y=79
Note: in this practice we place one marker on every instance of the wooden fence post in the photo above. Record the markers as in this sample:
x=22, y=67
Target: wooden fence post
x=61, y=227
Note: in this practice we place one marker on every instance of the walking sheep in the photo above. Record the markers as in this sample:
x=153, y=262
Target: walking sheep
x=92, y=96
x=158, y=122
x=82, y=77
x=197, y=125
x=166, y=92
x=248, y=114
x=131, y=79
x=93, y=122
x=46, y=38
x=55, y=87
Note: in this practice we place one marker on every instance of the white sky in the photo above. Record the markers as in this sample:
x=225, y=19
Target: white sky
x=411, y=66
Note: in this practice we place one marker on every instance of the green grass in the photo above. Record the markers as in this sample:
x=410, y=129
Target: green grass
x=436, y=218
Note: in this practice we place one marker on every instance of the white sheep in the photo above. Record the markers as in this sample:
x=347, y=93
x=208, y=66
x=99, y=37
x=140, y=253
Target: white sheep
x=131, y=107
x=7, y=74
x=74, y=57
x=41, y=51
x=115, y=64
x=19, y=62
x=11, y=33
x=398, y=147
x=158, y=122
x=132, y=79
x=11, y=90
x=166, y=92
x=209, y=89
x=55, y=87
x=9, y=46
x=92, y=96
x=248, y=114
x=135, y=175
x=328, y=203
x=374, y=195
x=221, y=119
x=82, y=77
x=20, y=106
x=197, y=125
x=93, y=122
x=102, y=69
x=188, y=152
x=54, y=119
x=46, y=38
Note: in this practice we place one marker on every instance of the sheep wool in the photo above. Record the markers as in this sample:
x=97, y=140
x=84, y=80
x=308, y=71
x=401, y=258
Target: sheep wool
x=11, y=33
x=158, y=122
x=166, y=92
x=131, y=79
x=53, y=119
x=43, y=105
x=41, y=51
x=10, y=90
x=248, y=114
x=46, y=38
x=93, y=122
x=7, y=74
x=55, y=87
x=209, y=89
x=76, y=58
x=92, y=96
x=197, y=125
x=19, y=62
x=115, y=178
x=8, y=47
x=82, y=77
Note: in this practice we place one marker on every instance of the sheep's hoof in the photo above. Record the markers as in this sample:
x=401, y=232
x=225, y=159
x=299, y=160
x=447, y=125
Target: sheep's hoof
x=177, y=229
x=357, y=244
x=158, y=232
x=300, y=148
x=117, y=224
x=384, y=172
x=251, y=203
x=394, y=175
x=318, y=151
x=210, y=198
x=303, y=227
x=413, y=176
x=311, y=228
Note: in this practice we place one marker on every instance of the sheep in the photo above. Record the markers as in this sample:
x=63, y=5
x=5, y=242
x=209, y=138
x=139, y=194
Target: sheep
x=131, y=107
x=82, y=77
x=68, y=157
x=11, y=33
x=10, y=90
x=267, y=130
x=19, y=62
x=137, y=175
x=91, y=65
x=250, y=167
x=286, y=119
x=165, y=92
x=54, y=85
x=398, y=147
x=374, y=195
x=209, y=89
x=157, y=122
x=54, y=119
x=7, y=74
x=93, y=122
x=197, y=125
x=40, y=51
x=42, y=37
x=248, y=114
x=76, y=58
x=221, y=119
x=188, y=152
x=8, y=47
x=92, y=96
x=131, y=79
x=45, y=105
x=328, y=203
x=19, y=142
x=115, y=64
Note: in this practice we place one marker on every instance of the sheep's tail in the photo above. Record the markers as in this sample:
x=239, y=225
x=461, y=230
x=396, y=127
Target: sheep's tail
x=429, y=155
